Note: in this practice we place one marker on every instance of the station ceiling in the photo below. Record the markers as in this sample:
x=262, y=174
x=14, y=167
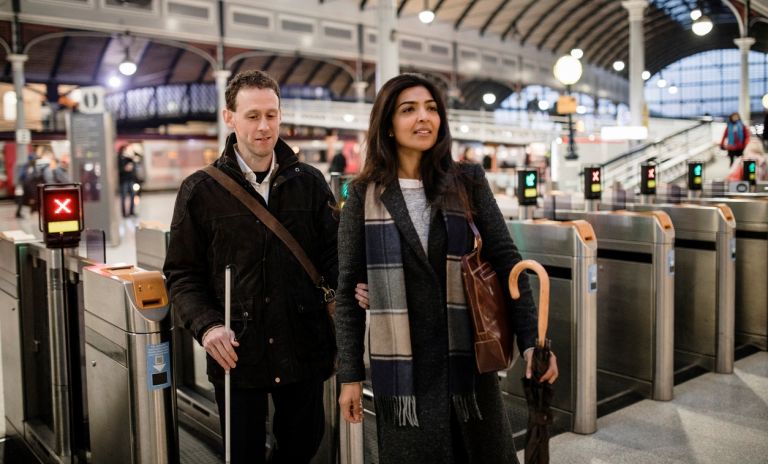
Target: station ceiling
x=598, y=27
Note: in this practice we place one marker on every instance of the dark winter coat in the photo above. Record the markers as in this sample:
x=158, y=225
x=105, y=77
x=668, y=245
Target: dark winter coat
x=488, y=441
x=288, y=334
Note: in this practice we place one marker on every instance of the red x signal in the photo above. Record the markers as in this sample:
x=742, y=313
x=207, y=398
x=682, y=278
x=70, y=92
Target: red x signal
x=62, y=206
x=595, y=176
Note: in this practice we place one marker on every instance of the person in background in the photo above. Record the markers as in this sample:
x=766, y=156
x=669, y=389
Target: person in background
x=281, y=344
x=25, y=184
x=735, y=137
x=126, y=167
x=404, y=228
x=753, y=151
x=338, y=163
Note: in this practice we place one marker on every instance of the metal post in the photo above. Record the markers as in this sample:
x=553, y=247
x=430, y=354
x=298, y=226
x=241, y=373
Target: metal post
x=17, y=65
x=636, y=58
x=388, y=64
x=57, y=332
x=221, y=86
x=744, y=43
x=571, y=155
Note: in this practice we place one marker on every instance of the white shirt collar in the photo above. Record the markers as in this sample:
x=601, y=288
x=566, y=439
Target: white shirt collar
x=263, y=186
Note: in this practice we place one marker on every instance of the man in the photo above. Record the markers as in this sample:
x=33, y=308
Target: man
x=282, y=341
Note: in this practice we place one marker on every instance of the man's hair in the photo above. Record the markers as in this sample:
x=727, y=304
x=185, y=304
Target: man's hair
x=249, y=80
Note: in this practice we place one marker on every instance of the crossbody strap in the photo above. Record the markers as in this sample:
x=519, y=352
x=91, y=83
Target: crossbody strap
x=274, y=225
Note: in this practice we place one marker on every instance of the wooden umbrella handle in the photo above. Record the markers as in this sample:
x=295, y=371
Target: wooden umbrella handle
x=541, y=273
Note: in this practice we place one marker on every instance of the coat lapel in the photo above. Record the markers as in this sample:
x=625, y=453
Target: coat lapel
x=392, y=198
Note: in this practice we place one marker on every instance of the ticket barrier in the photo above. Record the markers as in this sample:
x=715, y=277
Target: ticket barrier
x=705, y=279
x=195, y=395
x=751, y=321
x=41, y=323
x=568, y=251
x=635, y=305
x=131, y=397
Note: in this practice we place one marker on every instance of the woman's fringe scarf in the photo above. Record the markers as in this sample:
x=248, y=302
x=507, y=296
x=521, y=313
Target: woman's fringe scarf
x=390, y=335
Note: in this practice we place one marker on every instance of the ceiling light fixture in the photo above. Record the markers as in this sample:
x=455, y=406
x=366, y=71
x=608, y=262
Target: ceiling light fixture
x=426, y=15
x=618, y=65
x=695, y=14
x=646, y=75
x=702, y=26
x=489, y=98
x=127, y=67
x=661, y=83
x=672, y=89
x=577, y=53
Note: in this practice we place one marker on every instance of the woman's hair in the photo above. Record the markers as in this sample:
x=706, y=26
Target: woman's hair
x=730, y=117
x=381, y=162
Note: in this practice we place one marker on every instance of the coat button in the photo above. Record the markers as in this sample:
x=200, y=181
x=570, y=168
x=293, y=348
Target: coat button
x=266, y=300
x=271, y=340
x=277, y=379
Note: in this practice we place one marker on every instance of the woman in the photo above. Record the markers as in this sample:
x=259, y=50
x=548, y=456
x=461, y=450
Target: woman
x=403, y=218
x=736, y=135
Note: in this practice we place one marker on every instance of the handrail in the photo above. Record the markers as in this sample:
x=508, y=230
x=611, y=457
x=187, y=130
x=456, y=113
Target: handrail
x=648, y=145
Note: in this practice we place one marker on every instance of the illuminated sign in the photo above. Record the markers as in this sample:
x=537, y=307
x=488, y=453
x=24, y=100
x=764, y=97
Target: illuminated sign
x=61, y=214
x=695, y=175
x=342, y=189
x=593, y=188
x=527, y=187
x=749, y=172
x=648, y=178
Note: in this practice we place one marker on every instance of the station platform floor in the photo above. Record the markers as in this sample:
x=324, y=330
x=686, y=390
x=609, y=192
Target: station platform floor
x=713, y=418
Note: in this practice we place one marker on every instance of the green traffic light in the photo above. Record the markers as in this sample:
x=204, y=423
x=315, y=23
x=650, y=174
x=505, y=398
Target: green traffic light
x=751, y=166
x=697, y=170
x=530, y=180
x=345, y=190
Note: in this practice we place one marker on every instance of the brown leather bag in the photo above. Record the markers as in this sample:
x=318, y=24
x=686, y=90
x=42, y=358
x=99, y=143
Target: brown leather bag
x=486, y=301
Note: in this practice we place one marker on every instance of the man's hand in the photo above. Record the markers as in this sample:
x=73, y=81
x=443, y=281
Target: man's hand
x=361, y=295
x=550, y=375
x=219, y=343
x=351, y=402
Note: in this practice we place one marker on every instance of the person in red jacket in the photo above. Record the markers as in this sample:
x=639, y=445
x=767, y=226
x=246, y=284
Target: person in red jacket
x=735, y=137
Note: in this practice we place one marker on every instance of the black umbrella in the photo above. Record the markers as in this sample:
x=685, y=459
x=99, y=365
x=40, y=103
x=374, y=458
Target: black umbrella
x=537, y=394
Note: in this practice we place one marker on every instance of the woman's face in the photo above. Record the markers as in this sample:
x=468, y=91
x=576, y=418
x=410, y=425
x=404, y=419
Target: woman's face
x=415, y=123
x=734, y=117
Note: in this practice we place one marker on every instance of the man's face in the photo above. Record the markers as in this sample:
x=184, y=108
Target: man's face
x=256, y=121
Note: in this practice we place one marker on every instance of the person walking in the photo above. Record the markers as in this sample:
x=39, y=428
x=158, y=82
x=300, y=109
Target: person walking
x=735, y=137
x=404, y=229
x=127, y=177
x=282, y=342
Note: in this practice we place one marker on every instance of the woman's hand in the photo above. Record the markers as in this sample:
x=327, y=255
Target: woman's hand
x=361, y=295
x=549, y=376
x=351, y=402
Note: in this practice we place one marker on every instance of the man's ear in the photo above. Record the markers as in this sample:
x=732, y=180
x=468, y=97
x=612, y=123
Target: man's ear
x=228, y=117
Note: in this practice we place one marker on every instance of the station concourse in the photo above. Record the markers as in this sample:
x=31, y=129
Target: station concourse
x=607, y=134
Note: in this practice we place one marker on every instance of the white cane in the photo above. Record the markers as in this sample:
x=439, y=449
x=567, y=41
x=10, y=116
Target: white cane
x=227, y=380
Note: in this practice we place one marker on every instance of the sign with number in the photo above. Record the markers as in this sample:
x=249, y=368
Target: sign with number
x=91, y=100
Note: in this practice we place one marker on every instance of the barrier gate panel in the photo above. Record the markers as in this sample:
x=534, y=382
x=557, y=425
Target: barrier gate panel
x=695, y=303
x=751, y=275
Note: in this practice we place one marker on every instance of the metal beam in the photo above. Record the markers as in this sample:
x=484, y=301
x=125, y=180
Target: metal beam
x=172, y=67
x=100, y=58
x=608, y=32
x=203, y=72
x=585, y=24
x=437, y=7
x=333, y=78
x=464, y=15
x=362, y=4
x=314, y=72
x=400, y=7
x=346, y=88
x=513, y=23
x=267, y=64
x=236, y=67
x=548, y=14
x=621, y=43
x=295, y=64
x=608, y=21
x=493, y=15
x=57, y=59
x=557, y=24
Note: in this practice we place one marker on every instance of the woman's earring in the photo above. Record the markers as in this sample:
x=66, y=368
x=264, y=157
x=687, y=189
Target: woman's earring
x=391, y=134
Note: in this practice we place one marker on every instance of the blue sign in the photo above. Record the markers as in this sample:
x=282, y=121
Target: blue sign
x=592, y=278
x=158, y=366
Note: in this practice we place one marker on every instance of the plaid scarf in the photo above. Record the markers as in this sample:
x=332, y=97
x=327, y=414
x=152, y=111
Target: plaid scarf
x=390, y=334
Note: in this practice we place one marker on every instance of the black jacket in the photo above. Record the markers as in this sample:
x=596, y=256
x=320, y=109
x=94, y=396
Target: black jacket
x=287, y=335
